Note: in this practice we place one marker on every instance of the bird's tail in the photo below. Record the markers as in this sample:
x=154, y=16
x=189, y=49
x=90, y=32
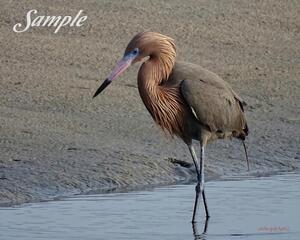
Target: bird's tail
x=246, y=153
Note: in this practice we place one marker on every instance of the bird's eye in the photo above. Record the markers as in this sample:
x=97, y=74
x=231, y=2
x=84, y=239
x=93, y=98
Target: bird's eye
x=135, y=51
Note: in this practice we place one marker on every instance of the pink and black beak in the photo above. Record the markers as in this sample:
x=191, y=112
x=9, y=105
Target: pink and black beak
x=120, y=67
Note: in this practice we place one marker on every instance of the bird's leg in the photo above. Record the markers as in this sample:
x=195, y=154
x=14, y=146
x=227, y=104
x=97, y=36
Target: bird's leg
x=196, y=233
x=195, y=159
x=195, y=204
x=201, y=182
x=246, y=153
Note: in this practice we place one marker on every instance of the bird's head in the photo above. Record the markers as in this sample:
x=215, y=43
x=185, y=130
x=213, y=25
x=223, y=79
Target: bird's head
x=144, y=44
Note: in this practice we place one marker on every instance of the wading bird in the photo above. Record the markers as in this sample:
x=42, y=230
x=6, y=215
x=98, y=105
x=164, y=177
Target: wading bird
x=186, y=100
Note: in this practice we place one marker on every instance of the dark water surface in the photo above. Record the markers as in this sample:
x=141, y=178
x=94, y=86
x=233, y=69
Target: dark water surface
x=253, y=208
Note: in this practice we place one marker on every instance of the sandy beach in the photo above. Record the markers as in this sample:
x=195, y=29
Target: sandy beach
x=55, y=140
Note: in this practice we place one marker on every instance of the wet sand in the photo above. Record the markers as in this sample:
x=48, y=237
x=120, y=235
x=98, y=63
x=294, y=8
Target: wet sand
x=56, y=141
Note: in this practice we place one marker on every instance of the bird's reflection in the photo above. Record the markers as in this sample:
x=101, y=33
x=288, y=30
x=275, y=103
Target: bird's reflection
x=201, y=236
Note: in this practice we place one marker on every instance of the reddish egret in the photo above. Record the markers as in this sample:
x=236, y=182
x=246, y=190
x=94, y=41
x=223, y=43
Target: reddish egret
x=186, y=100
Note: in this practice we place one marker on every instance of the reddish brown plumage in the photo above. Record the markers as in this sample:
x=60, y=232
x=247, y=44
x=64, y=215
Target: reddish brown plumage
x=165, y=104
x=169, y=92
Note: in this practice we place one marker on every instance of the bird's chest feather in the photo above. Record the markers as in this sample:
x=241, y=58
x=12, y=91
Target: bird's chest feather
x=166, y=106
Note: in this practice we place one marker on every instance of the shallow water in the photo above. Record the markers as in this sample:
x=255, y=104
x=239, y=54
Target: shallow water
x=254, y=208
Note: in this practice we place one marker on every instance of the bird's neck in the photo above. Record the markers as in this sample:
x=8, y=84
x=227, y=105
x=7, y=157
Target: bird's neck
x=162, y=100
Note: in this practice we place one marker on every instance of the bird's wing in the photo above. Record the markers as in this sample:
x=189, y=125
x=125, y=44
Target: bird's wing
x=214, y=104
x=184, y=70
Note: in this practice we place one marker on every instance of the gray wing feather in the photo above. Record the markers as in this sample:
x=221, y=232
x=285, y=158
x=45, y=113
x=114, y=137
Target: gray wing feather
x=214, y=105
x=211, y=99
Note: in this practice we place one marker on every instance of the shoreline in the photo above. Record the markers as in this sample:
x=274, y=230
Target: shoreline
x=189, y=181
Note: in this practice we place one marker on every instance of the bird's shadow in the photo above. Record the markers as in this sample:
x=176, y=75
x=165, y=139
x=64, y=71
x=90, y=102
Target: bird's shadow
x=203, y=235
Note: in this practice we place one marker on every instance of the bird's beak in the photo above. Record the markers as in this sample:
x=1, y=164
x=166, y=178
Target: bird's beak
x=120, y=67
